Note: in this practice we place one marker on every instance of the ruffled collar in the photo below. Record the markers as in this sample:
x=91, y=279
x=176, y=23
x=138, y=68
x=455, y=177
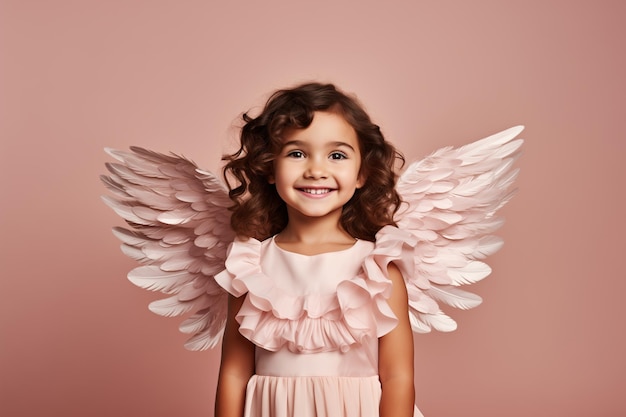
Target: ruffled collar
x=272, y=317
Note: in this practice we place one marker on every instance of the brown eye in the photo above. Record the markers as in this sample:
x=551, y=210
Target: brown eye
x=338, y=156
x=295, y=154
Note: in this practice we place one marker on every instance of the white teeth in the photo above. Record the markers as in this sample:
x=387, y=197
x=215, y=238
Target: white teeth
x=316, y=191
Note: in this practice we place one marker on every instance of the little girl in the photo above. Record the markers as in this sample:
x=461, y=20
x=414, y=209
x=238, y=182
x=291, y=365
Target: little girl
x=314, y=289
x=318, y=321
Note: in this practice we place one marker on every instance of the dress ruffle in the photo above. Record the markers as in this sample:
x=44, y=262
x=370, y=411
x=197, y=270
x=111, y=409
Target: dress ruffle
x=272, y=318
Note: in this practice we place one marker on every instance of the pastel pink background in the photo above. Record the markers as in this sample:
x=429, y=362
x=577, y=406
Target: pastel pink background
x=76, y=76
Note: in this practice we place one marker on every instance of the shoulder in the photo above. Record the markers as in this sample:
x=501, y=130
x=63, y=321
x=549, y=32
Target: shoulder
x=242, y=264
x=394, y=248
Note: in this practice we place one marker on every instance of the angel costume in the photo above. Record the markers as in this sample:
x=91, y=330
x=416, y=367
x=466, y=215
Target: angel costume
x=315, y=319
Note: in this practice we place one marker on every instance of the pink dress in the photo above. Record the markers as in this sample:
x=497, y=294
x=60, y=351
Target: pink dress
x=315, y=321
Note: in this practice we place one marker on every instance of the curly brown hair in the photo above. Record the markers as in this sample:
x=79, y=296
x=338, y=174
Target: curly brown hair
x=259, y=212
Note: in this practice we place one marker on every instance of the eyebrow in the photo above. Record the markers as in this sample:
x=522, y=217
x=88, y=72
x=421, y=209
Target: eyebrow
x=334, y=144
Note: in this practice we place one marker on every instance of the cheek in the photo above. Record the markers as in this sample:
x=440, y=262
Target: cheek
x=352, y=178
x=278, y=172
x=283, y=176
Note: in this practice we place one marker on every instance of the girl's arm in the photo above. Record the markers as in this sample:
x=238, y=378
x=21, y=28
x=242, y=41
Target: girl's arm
x=236, y=368
x=395, y=355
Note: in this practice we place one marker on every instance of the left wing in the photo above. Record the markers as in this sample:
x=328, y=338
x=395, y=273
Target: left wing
x=451, y=198
x=181, y=224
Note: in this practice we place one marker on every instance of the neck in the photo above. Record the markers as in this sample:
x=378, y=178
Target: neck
x=312, y=230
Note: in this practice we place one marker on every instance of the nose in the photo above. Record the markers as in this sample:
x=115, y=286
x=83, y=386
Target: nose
x=315, y=169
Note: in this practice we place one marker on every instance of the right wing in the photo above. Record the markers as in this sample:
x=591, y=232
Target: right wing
x=181, y=232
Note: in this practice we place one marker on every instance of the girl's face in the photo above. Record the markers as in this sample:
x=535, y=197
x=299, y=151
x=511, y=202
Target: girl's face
x=317, y=169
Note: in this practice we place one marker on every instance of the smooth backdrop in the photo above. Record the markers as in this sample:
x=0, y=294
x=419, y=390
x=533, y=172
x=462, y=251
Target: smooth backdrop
x=76, y=76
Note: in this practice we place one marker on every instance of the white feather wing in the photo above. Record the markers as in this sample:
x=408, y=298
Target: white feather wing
x=181, y=231
x=450, y=202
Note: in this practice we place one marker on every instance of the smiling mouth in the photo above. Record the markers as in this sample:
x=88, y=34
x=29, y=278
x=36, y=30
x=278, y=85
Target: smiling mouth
x=316, y=191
